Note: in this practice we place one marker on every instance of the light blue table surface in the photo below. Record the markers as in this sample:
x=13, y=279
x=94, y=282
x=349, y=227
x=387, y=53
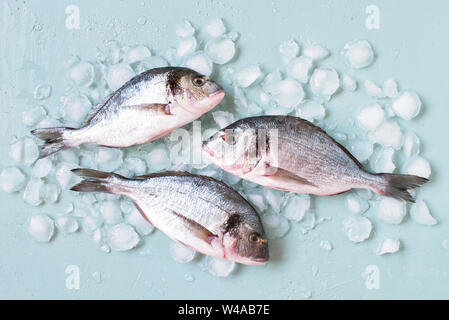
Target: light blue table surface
x=412, y=47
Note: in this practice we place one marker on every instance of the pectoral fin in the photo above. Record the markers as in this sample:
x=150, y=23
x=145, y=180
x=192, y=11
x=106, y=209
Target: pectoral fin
x=197, y=229
x=287, y=176
x=156, y=108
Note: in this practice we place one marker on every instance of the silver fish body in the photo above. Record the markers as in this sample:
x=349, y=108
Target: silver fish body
x=149, y=106
x=198, y=211
x=292, y=154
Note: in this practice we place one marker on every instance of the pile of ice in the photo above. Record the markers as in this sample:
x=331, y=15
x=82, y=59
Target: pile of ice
x=304, y=84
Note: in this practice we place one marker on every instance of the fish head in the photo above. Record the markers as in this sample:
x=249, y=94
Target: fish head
x=233, y=149
x=194, y=92
x=244, y=241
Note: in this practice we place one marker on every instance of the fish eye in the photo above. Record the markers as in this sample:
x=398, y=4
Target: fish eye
x=199, y=81
x=254, y=237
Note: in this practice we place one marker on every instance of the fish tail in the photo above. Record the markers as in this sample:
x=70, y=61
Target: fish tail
x=98, y=181
x=398, y=185
x=54, y=140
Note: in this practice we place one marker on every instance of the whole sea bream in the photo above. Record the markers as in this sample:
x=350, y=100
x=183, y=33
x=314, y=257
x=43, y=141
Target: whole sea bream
x=198, y=211
x=292, y=154
x=145, y=108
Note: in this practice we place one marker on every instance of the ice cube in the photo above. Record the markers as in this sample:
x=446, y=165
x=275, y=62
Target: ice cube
x=257, y=200
x=392, y=210
x=50, y=192
x=105, y=248
x=33, y=115
x=407, y=105
x=371, y=117
x=390, y=88
x=359, y=54
x=30, y=151
x=288, y=93
x=136, y=166
x=137, y=54
x=223, y=118
x=348, y=83
x=357, y=228
x=189, y=278
x=289, y=49
x=200, y=63
x=127, y=206
x=326, y=245
x=373, y=90
x=122, y=237
x=67, y=224
x=41, y=227
x=418, y=166
x=110, y=210
x=445, y=244
x=411, y=145
x=219, y=267
x=299, y=68
x=118, y=75
x=69, y=156
x=215, y=28
x=220, y=50
x=382, y=160
x=186, y=46
x=421, y=214
x=316, y=52
x=141, y=224
x=388, y=246
x=82, y=74
x=91, y=223
x=75, y=107
x=142, y=20
x=271, y=80
x=296, y=207
x=185, y=29
x=275, y=198
x=248, y=76
x=109, y=159
x=42, y=92
x=340, y=136
x=275, y=225
x=361, y=149
x=32, y=194
x=11, y=179
x=388, y=134
x=42, y=167
x=324, y=82
x=151, y=63
x=63, y=174
x=311, y=110
x=356, y=204
x=158, y=160
x=264, y=98
x=97, y=236
x=180, y=253
x=113, y=52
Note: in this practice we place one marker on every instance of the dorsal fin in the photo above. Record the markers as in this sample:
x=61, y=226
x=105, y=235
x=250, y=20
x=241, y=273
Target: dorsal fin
x=94, y=111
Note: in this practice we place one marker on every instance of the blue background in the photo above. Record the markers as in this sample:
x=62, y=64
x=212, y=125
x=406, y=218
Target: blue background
x=412, y=47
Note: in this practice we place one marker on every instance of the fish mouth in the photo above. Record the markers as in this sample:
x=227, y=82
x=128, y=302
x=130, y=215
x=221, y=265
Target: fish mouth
x=208, y=150
x=256, y=261
x=217, y=96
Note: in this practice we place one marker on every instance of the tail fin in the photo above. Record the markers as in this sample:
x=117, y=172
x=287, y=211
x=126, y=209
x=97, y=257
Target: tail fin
x=54, y=140
x=97, y=181
x=397, y=185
